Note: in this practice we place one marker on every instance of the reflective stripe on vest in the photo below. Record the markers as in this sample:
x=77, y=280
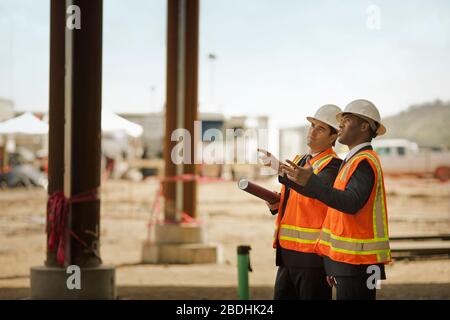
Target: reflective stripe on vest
x=319, y=164
x=298, y=234
x=353, y=246
x=379, y=213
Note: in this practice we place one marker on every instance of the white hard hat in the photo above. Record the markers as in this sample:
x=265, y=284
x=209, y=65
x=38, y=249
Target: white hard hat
x=327, y=114
x=365, y=110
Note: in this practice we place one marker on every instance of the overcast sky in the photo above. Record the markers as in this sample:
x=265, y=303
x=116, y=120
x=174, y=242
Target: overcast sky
x=281, y=58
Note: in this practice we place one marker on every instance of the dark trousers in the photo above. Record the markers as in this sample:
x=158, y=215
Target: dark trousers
x=301, y=284
x=354, y=288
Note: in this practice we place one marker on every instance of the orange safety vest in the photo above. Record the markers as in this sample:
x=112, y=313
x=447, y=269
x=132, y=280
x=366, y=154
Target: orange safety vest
x=360, y=238
x=301, y=224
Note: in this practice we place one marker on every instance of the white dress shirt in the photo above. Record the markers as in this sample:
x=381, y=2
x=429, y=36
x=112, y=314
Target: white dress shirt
x=355, y=149
x=313, y=154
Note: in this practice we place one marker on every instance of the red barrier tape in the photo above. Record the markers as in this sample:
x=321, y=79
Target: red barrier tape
x=185, y=217
x=57, y=214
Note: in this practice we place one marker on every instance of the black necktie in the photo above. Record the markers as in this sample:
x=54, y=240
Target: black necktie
x=307, y=158
x=304, y=160
x=342, y=164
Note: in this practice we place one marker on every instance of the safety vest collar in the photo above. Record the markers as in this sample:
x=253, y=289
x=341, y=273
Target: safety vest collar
x=324, y=153
x=322, y=159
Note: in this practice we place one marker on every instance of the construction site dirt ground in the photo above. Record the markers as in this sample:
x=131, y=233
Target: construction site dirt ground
x=231, y=218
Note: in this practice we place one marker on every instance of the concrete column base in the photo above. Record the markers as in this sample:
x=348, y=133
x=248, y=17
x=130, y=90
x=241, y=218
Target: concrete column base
x=181, y=253
x=50, y=283
x=180, y=244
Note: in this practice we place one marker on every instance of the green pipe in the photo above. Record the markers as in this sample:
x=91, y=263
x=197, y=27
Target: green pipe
x=243, y=269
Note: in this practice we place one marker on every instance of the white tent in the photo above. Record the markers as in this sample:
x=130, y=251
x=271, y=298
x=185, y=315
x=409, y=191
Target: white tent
x=31, y=125
x=111, y=122
x=24, y=124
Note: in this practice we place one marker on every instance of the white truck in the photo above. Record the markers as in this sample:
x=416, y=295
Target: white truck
x=401, y=156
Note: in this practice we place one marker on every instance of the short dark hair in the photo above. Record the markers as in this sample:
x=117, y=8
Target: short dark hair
x=333, y=131
x=372, y=133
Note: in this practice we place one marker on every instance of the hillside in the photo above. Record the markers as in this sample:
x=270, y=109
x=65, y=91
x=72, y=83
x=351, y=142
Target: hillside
x=426, y=123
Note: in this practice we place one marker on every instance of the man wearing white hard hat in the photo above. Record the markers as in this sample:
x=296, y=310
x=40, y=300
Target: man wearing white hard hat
x=301, y=273
x=354, y=239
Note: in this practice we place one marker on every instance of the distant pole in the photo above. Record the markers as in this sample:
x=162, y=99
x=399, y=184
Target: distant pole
x=212, y=59
x=11, y=55
x=152, y=98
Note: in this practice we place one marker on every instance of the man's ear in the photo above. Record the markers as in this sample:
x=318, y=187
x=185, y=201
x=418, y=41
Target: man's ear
x=365, y=126
x=333, y=138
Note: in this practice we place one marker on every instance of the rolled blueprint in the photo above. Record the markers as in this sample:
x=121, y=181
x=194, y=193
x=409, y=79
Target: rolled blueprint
x=258, y=191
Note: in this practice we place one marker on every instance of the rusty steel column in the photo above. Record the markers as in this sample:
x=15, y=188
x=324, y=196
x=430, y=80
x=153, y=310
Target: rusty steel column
x=171, y=106
x=74, y=155
x=191, y=115
x=56, y=105
x=181, y=242
x=85, y=105
x=181, y=101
